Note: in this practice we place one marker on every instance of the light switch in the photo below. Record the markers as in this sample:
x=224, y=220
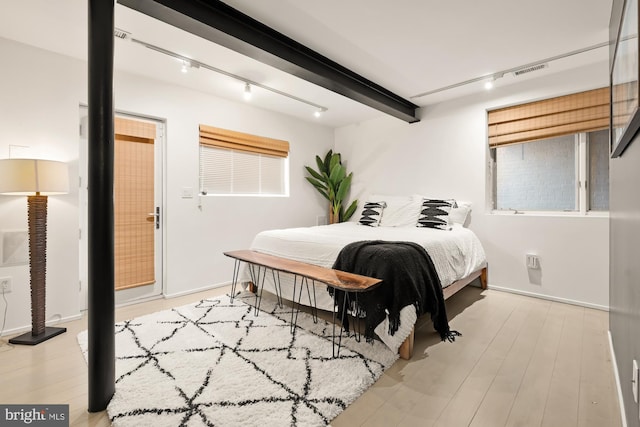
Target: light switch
x=187, y=192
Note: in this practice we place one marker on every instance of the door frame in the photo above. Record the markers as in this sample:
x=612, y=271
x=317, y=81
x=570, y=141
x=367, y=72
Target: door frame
x=161, y=178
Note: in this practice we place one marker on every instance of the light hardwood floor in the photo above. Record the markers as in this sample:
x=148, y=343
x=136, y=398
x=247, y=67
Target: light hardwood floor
x=520, y=362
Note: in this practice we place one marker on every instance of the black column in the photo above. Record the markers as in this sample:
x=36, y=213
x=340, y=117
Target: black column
x=101, y=236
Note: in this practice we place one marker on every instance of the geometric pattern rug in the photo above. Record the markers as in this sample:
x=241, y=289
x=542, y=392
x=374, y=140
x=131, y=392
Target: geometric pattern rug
x=215, y=363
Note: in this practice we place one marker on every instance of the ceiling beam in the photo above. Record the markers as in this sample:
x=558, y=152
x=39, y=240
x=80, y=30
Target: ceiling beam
x=221, y=24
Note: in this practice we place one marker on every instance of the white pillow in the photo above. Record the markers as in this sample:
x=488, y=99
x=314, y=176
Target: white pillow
x=460, y=214
x=401, y=211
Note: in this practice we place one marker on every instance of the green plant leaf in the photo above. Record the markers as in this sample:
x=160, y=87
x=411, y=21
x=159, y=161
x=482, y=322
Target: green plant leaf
x=320, y=164
x=330, y=185
x=314, y=174
x=335, y=160
x=345, y=184
x=350, y=211
x=322, y=189
x=327, y=161
x=316, y=183
x=337, y=175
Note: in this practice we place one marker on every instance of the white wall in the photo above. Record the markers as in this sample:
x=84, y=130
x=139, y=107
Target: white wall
x=39, y=108
x=197, y=237
x=445, y=155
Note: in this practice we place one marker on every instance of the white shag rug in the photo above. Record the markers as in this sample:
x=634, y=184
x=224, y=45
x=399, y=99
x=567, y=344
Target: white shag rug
x=215, y=363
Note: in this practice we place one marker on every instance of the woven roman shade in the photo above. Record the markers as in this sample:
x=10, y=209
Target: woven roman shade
x=232, y=140
x=132, y=129
x=564, y=115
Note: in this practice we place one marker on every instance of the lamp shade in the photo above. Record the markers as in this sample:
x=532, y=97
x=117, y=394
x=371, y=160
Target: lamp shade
x=25, y=177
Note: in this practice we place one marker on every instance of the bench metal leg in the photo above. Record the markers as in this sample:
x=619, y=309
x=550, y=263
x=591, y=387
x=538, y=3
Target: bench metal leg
x=260, y=285
x=276, y=284
x=344, y=312
x=258, y=275
x=296, y=305
x=255, y=278
x=356, y=318
x=314, y=306
x=293, y=302
x=234, y=281
x=355, y=313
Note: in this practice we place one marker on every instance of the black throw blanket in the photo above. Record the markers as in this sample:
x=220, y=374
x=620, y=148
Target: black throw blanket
x=409, y=277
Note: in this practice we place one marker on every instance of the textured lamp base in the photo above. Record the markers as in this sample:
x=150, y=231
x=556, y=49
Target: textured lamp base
x=30, y=339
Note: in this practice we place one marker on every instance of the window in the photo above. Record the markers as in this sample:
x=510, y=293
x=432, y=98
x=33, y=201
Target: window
x=232, y=163
x=598, y=170
x=551, y=155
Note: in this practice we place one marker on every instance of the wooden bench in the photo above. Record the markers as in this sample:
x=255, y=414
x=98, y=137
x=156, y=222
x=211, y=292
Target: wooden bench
x=336, y=279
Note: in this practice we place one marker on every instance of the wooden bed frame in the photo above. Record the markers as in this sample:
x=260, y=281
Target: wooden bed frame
x=406, y=348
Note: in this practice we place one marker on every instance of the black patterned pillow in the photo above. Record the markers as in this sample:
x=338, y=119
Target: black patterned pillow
x=435, y=213
x=372, y=213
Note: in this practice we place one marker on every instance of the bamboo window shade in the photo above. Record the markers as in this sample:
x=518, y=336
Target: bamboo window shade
x=232, y=140
x=134, y=244
x=581, y=112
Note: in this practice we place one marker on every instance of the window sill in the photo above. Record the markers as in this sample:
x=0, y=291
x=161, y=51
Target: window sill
x=245, y=195
x=590, y=214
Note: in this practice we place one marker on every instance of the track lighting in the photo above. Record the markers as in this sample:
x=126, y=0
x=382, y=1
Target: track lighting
x=192, y=63
x=319, y=112
x=516, y=71
x=186, y=64
x=488, y=85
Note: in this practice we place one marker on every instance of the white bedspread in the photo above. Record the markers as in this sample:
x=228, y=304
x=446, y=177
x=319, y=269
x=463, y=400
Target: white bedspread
x=455, y=253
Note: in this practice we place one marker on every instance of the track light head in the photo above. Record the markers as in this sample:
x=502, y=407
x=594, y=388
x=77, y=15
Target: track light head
x=319, y=112
x=247, y=91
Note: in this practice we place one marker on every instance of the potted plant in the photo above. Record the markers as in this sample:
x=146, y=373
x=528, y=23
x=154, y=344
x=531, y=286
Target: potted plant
x=332, y=181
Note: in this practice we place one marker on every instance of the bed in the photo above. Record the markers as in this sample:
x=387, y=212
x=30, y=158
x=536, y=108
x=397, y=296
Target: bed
x=456, y=252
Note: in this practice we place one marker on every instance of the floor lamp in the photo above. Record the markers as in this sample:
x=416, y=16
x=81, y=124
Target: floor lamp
x=36, y=179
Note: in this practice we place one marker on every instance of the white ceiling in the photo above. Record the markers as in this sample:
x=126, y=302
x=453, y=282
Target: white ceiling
x=408, y=46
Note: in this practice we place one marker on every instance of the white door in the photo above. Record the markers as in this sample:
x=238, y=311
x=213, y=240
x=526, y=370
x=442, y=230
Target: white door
x=138, y=208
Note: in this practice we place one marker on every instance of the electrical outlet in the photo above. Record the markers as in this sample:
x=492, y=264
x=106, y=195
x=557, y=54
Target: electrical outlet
x=532, y=261
x=5, y=285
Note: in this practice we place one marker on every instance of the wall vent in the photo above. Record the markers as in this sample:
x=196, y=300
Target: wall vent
x=530, y=69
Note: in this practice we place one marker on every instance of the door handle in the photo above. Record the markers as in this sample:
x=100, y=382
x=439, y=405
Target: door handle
x=155, y=216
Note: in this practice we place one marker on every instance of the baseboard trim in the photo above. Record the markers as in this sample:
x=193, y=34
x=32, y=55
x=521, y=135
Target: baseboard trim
x=195, y=291
x=27, y=328
x=138, y=301
x=550, y=298
x=618, y=385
